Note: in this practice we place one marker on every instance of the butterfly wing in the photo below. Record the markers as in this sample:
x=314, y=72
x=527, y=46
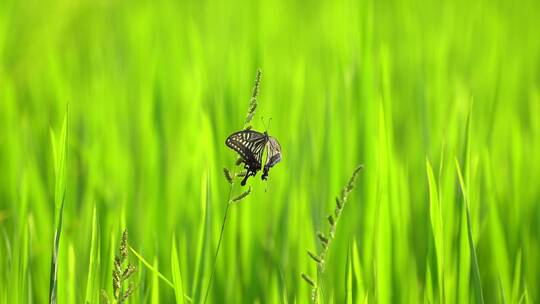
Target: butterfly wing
x=273, y=156
x=249, y=145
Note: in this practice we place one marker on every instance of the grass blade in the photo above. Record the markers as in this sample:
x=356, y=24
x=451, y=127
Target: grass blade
x=435, y=216
x=349, y=278
x=501, y=291
x=428, y=290
x=177, y=274
x=152, y=268
x=155, y=284
x=202, y=242
x=476, y=271
x=60, y=160
x=70, y=281
x=517, y=278
x=92, y=265
x=357, y=268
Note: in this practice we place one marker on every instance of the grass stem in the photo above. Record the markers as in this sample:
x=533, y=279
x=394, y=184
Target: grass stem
x=151, y=267
x=219, y=242
x=249, y=117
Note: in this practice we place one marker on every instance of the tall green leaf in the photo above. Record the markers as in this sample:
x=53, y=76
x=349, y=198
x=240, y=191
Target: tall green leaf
x=60, y=162
x=476, y=271
x=357, y=268
x=349, y=277
x=93, y=265
x=155, y=284
x=202, y=244
x=436, y=220
x=177, y=274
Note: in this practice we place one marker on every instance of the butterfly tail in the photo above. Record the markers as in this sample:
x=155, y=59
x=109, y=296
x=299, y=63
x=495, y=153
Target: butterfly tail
x=264, y=176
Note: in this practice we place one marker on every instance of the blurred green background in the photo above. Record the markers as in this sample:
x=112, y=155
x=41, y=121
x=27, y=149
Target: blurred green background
x=155, y=87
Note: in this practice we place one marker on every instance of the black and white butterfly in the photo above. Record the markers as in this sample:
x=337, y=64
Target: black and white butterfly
x=250, y=146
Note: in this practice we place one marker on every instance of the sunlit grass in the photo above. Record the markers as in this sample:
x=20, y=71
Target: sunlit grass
x=439, y=101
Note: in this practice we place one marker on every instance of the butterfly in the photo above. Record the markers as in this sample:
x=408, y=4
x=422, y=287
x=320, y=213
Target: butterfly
x=250, y=146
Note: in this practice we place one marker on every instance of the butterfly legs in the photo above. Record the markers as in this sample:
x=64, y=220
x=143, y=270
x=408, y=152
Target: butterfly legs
x=248, y=174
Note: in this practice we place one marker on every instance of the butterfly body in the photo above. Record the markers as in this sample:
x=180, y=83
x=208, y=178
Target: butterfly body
x=250, y=145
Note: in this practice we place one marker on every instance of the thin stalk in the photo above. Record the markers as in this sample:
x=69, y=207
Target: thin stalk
x=151, y=267
x=159, y=274
x=326, y=239
x=219, y=241
x=247, y=124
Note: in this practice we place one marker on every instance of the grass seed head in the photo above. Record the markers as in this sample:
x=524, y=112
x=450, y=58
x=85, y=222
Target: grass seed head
x=331, y=220
x=339, y=202
x=315, y=257
x=253, y=101
x=127, y=293
x=128, y=272
x=242, y=195
x=120, y=273
x=322, y=238
x=308, y=280
x=123, y=245
x=103, y=297
x=228, y=175
x=315, y=295
x=337, y=212
x=325, y=241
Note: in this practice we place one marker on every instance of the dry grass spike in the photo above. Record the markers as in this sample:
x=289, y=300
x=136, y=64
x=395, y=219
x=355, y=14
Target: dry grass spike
x=253, y=101
x=322, y=238
x=330, y=219
x=333, y=220
x=122, y=272
x=247, y=125
x=242, y=195
x=308, y=280
x=315, y=257
x=228, y=175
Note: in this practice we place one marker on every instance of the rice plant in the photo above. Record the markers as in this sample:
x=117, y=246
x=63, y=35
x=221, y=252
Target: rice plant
x=122, y=282
x=230, y=179
x=60, y=147
x=326, y=239
x=439, y=101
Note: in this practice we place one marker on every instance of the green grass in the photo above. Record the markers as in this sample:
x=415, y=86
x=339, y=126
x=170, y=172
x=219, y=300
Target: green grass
x=439, y=100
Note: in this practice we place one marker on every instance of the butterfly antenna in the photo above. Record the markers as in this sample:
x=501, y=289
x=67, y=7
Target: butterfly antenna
x=268, y=126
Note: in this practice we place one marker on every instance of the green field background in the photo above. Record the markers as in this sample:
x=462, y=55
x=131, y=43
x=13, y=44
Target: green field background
x=412, y=89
